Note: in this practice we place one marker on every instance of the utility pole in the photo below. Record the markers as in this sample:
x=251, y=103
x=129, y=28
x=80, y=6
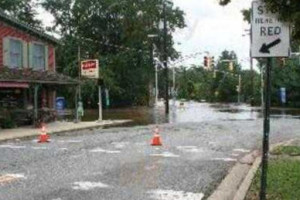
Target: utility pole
x=174, y=84
x=100, y=101
x=252, y=81
x=156, y=84
x=165, y=59
x=151, y=68
x=79, y=71
x=251, y=69
x=252, y=72
x=240, y=88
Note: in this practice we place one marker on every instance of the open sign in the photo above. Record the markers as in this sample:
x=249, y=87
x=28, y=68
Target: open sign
x=90, y=69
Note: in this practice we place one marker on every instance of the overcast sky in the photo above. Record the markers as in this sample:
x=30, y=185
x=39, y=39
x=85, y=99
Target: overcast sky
x=210, y=27
x=213, y=28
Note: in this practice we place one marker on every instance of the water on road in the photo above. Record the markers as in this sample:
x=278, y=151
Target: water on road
x=189, y=112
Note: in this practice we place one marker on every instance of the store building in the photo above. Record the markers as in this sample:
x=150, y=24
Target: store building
x=28, y=78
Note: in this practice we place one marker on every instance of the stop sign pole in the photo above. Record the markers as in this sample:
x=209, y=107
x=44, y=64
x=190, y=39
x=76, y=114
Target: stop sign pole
x=266, y=136
x=270, y=39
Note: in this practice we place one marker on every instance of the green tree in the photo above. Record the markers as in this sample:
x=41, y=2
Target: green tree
x=23, y=10
x=286, y=74
x=115, y=32
x=226, y=80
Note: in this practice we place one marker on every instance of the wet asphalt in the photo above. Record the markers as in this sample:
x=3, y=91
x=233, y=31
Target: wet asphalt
x=120, y=163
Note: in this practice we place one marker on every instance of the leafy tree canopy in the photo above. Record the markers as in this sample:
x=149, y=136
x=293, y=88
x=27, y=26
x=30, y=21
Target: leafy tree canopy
x=115, y=32
x=22, y=9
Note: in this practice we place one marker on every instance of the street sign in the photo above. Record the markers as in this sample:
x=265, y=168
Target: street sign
x=270, y=37
x=90, y=69
x=283, y=95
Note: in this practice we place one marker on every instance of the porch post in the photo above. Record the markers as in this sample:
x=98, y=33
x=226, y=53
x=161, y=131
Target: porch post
x=76, y=104
x=35, y=109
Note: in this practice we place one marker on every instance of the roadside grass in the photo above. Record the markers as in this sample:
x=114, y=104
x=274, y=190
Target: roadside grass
x=286, y=150
x=283, y=181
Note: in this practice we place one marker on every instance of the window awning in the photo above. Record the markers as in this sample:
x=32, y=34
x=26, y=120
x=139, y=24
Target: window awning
x=13, y=85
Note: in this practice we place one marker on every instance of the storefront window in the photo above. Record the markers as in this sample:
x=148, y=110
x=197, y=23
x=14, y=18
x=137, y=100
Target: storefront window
x=11, y=98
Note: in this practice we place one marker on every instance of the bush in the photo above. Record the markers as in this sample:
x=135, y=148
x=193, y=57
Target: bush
x=8, y=122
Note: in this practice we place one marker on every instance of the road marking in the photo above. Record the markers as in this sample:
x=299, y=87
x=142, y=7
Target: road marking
x=70, y=141
x=242, y=150
x=190, y=149
x=12, y=147
x=88, y=185
x=141, y=144
x=63, y=149
x=8, y=178
x=226, y=159
x=172, y=195
x=99, y=150
x=39, y=148
x=120, y=145
x=166, y=155
x=234, y=154
x=213, y=144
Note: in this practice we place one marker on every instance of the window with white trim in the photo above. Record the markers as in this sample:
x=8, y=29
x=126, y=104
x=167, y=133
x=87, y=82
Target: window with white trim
x=38, y=57
x=15, y=53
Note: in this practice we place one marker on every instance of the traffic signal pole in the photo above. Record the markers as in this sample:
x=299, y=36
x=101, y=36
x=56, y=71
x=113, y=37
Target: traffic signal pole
x=240, y=89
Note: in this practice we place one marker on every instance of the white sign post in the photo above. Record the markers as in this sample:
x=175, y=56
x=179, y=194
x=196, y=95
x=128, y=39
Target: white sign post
x=270, y=37
x=90, y=69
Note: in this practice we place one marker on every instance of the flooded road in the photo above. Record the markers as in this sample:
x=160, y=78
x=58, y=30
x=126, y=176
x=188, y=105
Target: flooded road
x=200, y=145
x=189, y=112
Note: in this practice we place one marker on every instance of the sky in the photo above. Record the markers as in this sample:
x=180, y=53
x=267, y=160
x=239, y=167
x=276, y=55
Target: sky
x=213, y=28
x=210, y=28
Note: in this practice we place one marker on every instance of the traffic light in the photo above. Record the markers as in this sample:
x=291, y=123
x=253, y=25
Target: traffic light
x=205, y=61
x=213, y=62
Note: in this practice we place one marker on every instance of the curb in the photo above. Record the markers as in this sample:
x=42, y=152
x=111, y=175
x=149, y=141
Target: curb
x=62, y=131
x=237, y=182
x=244, y=188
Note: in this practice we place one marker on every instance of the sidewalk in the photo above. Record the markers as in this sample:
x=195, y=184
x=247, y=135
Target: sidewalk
x=55, y=128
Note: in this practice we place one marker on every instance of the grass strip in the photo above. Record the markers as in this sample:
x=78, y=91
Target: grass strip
x=286, y=150
x=283, y=181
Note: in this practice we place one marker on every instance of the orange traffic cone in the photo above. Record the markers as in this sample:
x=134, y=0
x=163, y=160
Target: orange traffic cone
x=156, y=140
x=44, y=137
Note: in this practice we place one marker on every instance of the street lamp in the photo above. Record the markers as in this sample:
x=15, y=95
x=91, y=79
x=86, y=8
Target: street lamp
x=157, y=62
x=151, y=38
x=249, y=33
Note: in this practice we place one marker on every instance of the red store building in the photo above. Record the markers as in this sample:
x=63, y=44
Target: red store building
x=28, y=78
